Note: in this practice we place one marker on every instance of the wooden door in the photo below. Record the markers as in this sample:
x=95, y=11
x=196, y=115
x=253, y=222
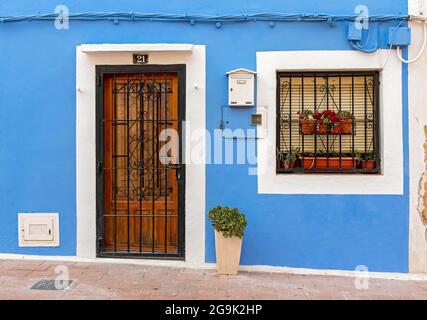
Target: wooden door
x=140, y=165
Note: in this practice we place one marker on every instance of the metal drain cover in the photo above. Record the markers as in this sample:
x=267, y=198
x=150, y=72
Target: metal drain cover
x=52, y=284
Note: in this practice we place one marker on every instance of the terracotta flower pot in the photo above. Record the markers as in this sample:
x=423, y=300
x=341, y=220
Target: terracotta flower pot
x=337, y=129
x=346, y=126
x=308, y=126
x=331, y=163
x=322, y=129
x=228, y=252
x=287, y=165
x=369, y=164
x=290, y=165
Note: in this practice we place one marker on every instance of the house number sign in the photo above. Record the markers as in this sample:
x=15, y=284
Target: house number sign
x=139, y=58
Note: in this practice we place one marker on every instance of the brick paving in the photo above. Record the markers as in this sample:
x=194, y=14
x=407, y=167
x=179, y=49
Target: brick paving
x=125, y=281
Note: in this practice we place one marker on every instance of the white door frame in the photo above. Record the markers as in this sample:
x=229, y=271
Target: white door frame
x=88, y=57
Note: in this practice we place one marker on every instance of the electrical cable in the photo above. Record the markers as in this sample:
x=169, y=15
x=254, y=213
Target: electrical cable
x=117, y=17
x=368, y=38
x=355, y=46
x=163, y=17
x=409, y=61
x=389, y=50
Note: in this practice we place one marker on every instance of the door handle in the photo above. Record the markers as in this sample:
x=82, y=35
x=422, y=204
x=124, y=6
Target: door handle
x=174, y=166
x=177, y=168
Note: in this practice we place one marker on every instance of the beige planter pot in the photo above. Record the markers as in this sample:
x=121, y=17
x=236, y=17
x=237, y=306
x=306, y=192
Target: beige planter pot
x=228, y=252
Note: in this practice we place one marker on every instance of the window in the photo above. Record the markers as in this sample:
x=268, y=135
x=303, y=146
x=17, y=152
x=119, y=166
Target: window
x=328, y=122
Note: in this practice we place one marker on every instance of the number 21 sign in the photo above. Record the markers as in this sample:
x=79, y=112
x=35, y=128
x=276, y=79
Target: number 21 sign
x=139, y=58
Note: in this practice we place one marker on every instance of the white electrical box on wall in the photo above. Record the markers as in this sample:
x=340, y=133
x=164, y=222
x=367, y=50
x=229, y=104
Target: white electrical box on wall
x=241, y=88
x=38, y=229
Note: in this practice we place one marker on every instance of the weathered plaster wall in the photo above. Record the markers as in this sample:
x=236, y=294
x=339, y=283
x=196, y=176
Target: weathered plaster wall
x=417, y=83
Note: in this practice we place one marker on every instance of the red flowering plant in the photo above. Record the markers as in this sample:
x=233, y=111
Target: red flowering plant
x=328, y=117
x=327, y=121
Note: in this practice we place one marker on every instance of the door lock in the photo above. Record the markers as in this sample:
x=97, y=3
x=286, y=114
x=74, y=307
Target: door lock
x=174, y=166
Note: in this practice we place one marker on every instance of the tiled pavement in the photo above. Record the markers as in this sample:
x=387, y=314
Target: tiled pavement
x=124, y=281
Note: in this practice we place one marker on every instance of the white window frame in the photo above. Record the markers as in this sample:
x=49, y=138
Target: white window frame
x=391, y=123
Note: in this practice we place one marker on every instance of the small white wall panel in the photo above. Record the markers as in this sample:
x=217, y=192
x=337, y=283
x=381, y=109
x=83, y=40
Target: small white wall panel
x=38, y=230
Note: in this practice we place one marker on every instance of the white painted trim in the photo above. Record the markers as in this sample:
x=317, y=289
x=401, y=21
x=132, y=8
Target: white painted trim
x=391, y=181
x=159, y=47
x=417, y=95
x=338, y=273
x=86, y=144
x=212, y=266
x=416, y=7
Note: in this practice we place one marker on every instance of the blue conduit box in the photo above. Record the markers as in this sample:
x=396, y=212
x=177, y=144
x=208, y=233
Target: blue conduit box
x=399, y=36
x=354, y=33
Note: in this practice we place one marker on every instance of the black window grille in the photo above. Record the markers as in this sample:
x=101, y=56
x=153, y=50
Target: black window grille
x=328, y=122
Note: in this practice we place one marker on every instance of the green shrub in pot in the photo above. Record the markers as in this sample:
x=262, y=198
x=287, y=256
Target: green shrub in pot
x=230, y=221
x=229, y=225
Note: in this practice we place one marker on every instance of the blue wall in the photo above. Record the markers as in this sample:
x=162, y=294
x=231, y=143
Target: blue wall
x=37, y=136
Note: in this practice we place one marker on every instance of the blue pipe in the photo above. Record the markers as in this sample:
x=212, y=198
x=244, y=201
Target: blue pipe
x=271, y=17
x=356, y=46
x=162, y=17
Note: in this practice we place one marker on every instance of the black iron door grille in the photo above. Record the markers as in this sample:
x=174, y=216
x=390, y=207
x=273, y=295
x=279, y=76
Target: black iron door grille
x=328, y=122
x=140, y=192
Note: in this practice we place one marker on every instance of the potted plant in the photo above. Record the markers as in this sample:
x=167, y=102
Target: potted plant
x=327, y=122
x=307, y=122
x=229, y=225
x=289, y=159
x=358, y=157
x=331, y=120
x=368, y=161
x=322, y=127
x=346, y=122
x=329, y=161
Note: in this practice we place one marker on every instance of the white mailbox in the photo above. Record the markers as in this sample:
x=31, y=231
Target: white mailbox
x=241, y=88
